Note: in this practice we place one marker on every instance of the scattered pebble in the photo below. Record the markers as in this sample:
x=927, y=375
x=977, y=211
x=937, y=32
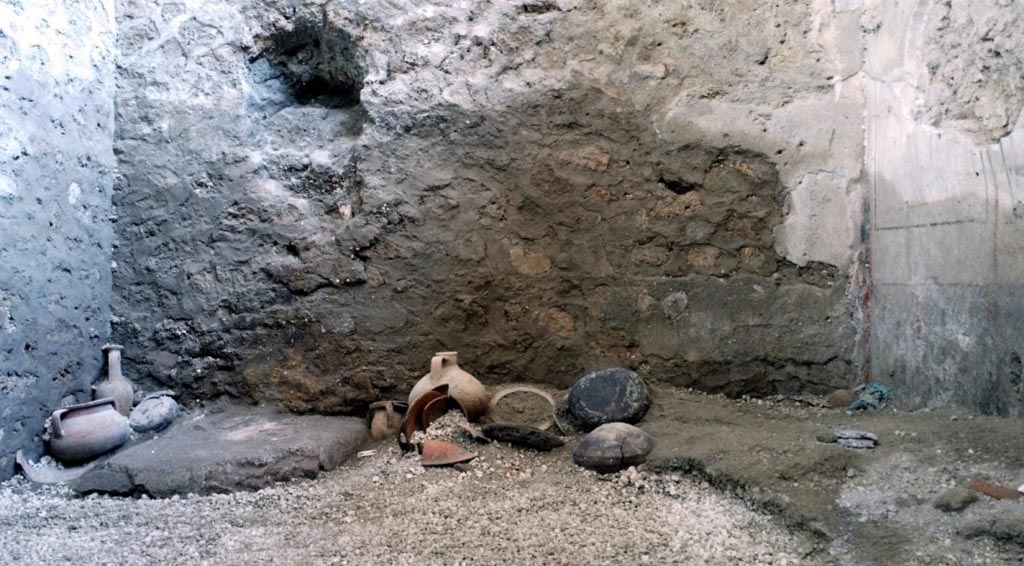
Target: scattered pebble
x=956, y=500
x=509, y=506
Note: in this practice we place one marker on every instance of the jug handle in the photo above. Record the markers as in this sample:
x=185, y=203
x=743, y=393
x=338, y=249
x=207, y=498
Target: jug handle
x=57, y=430
x=436, y=363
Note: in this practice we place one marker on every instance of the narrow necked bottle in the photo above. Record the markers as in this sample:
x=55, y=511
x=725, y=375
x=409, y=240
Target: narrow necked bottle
x=115, y=386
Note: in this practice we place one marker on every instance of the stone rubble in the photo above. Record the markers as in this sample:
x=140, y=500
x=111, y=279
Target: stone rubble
x=612, y=447
x=388, y=509
x=153, y=414
x=608, y=396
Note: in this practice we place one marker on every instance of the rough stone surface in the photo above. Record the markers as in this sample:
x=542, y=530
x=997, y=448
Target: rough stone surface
x=973, y=51
x=608, y=396
x=857, y=439
x=56, y=176
x=153, y=414
x=956, y=499
x=228, y=448
x=1005, y=525
x=522, y=435
x=317, y=196
x=613, y=447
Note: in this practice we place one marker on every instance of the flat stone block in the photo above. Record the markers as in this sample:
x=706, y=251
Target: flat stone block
x=228, y=448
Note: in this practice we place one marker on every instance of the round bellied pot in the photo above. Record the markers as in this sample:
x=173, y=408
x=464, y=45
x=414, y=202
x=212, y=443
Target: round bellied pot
x=386, y=421
x=80, y=433
x=463, y=387
x=115, y=386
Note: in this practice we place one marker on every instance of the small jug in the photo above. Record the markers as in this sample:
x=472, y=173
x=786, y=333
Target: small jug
x=386, y=422
x=115, y=387
x=463, y=387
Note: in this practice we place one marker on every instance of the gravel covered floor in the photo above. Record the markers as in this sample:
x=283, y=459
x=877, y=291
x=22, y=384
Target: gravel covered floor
x=512, y=506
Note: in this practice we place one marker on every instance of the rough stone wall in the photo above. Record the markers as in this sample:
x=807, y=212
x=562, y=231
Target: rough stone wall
x=56, y=172
x=315, y=197
x=945, y=160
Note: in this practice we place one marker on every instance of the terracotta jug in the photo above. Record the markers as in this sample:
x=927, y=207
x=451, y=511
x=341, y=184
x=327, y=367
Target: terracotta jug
x=386, y=422
x=115, y=387
x=80, y=433
x=463, y=387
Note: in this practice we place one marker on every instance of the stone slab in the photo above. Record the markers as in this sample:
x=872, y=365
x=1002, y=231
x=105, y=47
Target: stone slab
x=225, y=449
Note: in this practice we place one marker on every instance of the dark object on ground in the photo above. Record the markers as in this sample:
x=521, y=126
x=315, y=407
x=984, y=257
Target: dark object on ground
x=841, y=398
x=474, y=432
x=613, y=447
x=82, y=432
x=981, y=485
x=851, y=438
x=522, y=435
x=956, y=500
x=859, y=439
x=607, y=396
x=876, y=395
x=441, y=453
x=228, y=448
x=154, y=413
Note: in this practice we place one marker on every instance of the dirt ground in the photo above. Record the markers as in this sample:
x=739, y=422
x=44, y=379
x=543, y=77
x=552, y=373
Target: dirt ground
x=510, y=507
x=865, y=507
x=729, y=482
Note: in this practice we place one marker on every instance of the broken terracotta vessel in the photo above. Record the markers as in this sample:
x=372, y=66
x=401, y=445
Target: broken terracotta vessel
x=496, y=413
x=414, y=416
x=436, y=409
x=462, y=387
x=115, y=386
x=441, y=453
x=80, y=433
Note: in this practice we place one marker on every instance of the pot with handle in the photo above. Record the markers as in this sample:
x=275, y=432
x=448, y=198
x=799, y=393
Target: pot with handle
x=82, y=432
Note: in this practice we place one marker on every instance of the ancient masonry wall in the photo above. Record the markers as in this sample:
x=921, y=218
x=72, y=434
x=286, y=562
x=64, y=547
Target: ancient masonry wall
x=316, y=197
x=56, y=177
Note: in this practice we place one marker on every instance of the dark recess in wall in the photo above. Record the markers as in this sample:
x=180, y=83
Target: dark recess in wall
x=317, y=63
